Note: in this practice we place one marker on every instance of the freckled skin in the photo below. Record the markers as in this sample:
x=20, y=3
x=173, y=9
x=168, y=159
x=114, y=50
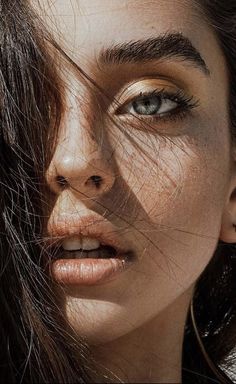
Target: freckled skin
x=167, y=188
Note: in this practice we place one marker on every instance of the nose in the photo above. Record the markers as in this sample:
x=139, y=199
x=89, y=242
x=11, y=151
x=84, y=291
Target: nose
x=81, y=162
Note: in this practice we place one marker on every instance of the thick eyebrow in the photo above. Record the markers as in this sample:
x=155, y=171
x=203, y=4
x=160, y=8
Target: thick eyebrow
x=170, y=45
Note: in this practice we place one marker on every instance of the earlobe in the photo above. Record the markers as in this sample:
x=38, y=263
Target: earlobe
x=228, y=224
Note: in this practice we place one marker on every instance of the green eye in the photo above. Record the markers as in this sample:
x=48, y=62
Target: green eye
x=151, y=105
x=147, y=105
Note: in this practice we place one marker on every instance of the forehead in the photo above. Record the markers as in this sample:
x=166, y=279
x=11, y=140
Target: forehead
x=116, y=15
x=87, y=25
x=83, y=28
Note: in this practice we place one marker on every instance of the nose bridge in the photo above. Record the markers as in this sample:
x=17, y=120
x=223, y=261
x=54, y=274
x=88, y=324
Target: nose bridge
x=82, y=160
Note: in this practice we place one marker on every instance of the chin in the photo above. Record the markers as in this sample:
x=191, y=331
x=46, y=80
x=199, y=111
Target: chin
x=96, y=321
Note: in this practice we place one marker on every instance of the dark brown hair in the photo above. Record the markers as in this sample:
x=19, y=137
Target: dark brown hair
x=37, y=344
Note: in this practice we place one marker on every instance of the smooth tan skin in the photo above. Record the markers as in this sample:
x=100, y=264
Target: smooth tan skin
x=171, y=206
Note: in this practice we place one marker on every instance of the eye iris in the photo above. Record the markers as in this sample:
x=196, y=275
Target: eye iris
x=147, y=105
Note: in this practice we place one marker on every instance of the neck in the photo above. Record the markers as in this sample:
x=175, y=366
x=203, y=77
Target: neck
x=151, y=353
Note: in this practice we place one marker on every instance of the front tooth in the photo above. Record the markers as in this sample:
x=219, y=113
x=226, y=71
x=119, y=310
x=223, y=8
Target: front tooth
x=72, y=244
x=89, y=243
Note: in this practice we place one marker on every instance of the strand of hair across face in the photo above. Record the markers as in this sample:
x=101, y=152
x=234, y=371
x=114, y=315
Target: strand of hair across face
x=215, y=369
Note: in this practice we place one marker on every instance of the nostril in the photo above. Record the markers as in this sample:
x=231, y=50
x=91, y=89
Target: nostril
x=96, y=180
x=61, y=181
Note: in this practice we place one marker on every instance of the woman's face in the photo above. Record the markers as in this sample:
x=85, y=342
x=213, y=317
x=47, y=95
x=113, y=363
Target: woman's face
x=158, y=137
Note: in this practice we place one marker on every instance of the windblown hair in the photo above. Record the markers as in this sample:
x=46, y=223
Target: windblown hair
x=37, y=345
x=34, y=344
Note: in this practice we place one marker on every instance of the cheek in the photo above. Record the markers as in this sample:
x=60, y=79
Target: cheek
x=181, y=187
x=181, y=176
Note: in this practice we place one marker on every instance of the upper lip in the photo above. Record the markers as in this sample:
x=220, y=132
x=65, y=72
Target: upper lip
x=94, y=226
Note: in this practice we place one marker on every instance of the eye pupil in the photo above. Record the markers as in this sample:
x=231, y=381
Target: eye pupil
x=147, y=105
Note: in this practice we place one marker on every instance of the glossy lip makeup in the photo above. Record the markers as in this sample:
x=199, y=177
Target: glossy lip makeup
x=87, y=251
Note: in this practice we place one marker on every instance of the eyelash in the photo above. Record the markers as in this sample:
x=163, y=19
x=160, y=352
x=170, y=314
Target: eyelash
x=184, y=107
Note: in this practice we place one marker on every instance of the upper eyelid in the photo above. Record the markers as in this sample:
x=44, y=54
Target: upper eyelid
x=161, y=93
x=151, y=81
x=147, y=85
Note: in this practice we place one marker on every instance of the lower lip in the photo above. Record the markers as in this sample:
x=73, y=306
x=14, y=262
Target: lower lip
x=88, y=271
